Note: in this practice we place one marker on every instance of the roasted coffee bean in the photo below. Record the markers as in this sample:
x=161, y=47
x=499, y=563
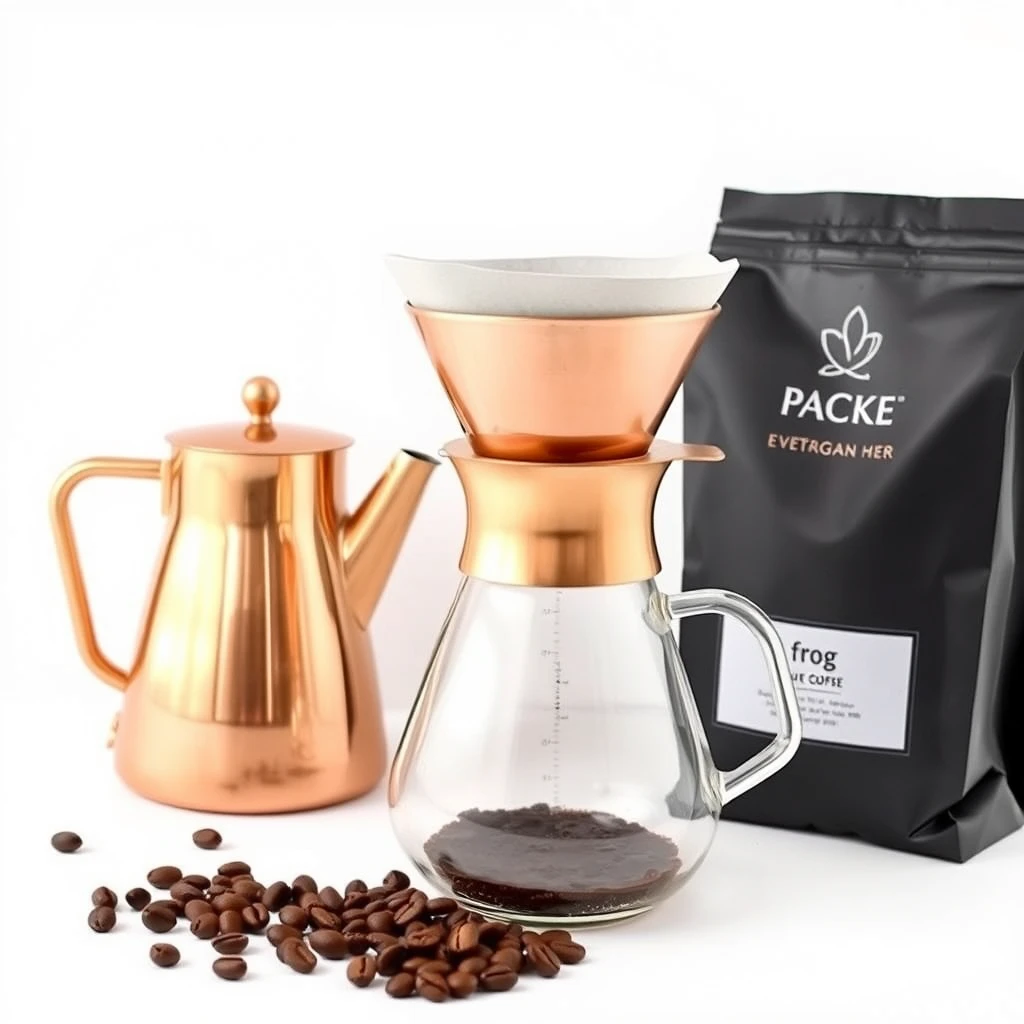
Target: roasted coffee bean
x=353, y=914
x=441, y=905
x=104, y=897
x=356, y=901
x=246, y=887
x=556, y=935
x=381, y=940
x=361, y=971
x=462, y=985
x=321, y=917
x=510, y=943
x=415, y=926
x=309, y=900
x=357, y=944
x=291, y=940
x=463, y=937
x=330, y=944
x=217, y=890
x=197, y=908
x=529, y=936
x=298, y=956
x=303, y=883
x=381, y=921
x=159, y=919
x=255, y=918
x=432, y=986
x=508, y=957
x=356, y=885
x=230, y=968
x=102, y=919
x=375, y=907
x=207, y=838
x=425, y=938
x=295, y=916
x=332, y=899
x=396, y=880
x=201, y=882
x=473, y=965
x=379, y=892
x=498, y=978
x=414, y=963
x=233, y=868
x=436, y=966
x=401, y=986
x=357, y=927
x=183, y=892
x=414, y=909
x=399, y=898
x=229, y=901
x=229, y=921
x=164, y=877
x=163, y=954
x=279, y=933
x=542, y=958
x=479, y=950
x=172, y=905
x=206, y=926
x=277, y=896
x=66, y=842
x=456, y=917
x=391, y=959
x=231, y=944
x=222, y=881
x=491, y=933
x=568, y=952
x=137, y=899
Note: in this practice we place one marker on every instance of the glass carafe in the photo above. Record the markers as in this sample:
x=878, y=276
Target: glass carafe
x=554, y=768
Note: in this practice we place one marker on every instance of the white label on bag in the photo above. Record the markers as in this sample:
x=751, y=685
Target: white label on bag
x=853, y=685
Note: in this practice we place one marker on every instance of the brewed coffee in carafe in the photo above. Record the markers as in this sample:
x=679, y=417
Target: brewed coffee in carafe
x=554, y=768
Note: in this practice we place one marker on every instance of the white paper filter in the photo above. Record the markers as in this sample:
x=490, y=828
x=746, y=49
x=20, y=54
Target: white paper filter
x=564, y=286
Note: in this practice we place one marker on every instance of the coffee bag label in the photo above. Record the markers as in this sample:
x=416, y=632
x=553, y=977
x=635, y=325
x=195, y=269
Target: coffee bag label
x=854, y=686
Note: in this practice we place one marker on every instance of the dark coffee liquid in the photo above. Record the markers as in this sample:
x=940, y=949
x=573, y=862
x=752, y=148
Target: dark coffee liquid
x=543, y=860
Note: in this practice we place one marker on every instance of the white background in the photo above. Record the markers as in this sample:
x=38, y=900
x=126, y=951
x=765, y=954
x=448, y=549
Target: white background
x=196, y=191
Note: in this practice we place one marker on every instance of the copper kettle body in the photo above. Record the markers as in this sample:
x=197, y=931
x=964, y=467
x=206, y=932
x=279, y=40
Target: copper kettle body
x=253, y=687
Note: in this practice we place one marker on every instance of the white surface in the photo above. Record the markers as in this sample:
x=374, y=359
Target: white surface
x=195, y=191
x=572, y=286
x=775, y=926
x=853, y=685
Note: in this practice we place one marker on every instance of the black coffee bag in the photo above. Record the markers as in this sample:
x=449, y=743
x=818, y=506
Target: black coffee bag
x=865, y=381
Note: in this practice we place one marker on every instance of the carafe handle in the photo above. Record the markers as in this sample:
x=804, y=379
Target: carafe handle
x=780, y=751
x=67, y=552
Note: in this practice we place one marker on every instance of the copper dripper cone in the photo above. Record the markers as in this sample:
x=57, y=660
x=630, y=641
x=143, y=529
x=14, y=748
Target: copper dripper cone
x=561, y=390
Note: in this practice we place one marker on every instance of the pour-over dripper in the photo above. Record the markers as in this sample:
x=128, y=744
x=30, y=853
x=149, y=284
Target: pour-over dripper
x=561, y=390
x=562, y=359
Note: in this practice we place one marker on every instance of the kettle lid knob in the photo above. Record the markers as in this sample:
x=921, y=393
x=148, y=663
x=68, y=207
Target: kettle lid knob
x=261, y=396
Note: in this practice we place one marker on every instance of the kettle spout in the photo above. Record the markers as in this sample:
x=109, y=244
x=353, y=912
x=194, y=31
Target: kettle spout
x=373, y=534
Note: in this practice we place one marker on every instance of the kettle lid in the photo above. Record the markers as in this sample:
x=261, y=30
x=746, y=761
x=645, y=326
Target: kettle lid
x=260, y=436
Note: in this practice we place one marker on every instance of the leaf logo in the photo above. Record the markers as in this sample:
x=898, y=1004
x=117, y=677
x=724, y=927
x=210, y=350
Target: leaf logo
x=850, y=349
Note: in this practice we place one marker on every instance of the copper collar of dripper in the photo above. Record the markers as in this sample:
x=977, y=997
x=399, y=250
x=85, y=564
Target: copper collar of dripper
x=545, y=389
x=579, y=524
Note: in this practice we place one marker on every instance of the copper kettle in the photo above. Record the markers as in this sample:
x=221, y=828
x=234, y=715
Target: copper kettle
x=253, y=686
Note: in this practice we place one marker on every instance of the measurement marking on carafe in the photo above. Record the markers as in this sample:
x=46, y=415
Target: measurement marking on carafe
x=554, y=741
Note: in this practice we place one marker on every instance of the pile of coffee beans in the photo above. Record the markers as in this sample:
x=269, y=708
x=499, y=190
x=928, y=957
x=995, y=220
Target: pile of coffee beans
x=416, y=945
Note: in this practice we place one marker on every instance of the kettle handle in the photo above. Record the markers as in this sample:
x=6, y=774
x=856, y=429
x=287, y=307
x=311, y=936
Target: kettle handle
x=67, y=552
x=780, y=751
